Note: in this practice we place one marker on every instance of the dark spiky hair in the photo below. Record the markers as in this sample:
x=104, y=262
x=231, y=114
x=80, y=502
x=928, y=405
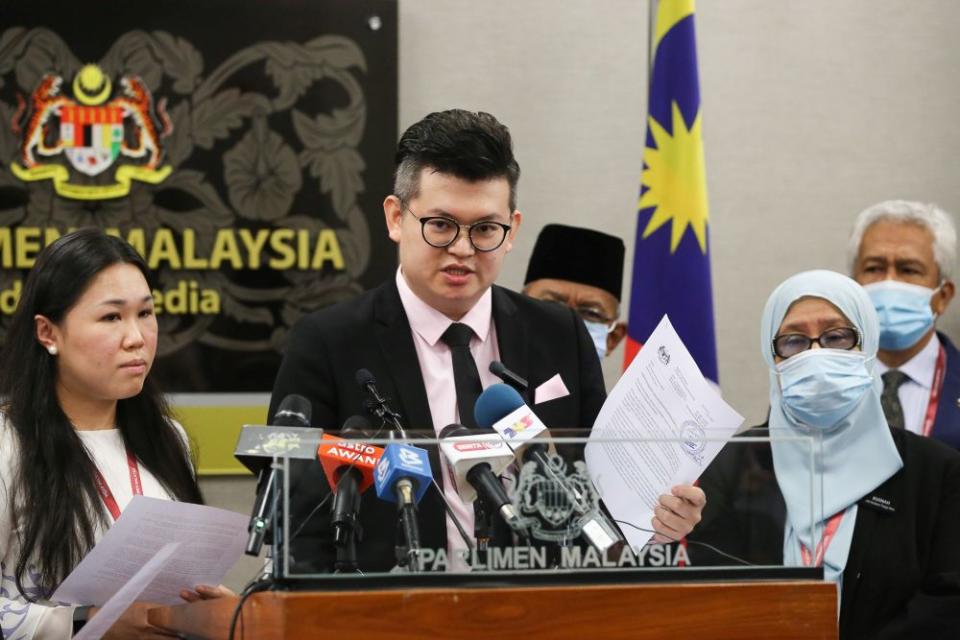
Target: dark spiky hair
x=467, y=145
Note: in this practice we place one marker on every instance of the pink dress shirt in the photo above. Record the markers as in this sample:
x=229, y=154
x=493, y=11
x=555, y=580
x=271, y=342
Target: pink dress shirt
x=436, y=366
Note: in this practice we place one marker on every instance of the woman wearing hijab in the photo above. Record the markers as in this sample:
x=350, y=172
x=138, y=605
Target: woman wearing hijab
x=889, y=530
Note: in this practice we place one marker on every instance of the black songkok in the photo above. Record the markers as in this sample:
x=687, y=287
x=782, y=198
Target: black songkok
x=578, y=255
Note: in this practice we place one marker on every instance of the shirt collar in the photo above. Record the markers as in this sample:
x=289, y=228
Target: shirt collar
x=430, y=324
x=921, y=367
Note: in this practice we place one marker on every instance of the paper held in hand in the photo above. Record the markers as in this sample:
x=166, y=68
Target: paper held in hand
x=669, y=422
x=211, y=541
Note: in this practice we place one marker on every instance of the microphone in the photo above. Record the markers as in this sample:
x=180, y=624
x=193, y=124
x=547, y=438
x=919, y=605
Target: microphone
x=501, y=408
x=403, y=476
x=477, y=460
x=348, y=466
x=294, y=411
x=376, y=403
x=498, y=369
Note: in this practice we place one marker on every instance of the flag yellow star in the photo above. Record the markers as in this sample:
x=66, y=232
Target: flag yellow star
x=675, y=177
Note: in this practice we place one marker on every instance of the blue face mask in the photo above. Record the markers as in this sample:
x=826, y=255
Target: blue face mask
x=904, y=312
x=820, y=387
x=598, y=331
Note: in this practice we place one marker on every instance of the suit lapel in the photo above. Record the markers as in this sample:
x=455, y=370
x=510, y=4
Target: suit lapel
x=396, y=343
x=511, y=337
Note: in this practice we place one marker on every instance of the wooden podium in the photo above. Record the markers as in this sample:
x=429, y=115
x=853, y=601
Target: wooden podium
x=754, y=609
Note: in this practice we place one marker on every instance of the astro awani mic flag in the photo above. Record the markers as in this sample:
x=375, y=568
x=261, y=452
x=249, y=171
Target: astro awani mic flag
x=671, y=268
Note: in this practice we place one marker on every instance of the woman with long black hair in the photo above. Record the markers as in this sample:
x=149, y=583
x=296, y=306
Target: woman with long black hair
x=82, y=428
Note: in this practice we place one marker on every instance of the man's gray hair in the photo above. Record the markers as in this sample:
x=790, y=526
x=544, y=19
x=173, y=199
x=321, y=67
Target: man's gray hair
x=930, y=216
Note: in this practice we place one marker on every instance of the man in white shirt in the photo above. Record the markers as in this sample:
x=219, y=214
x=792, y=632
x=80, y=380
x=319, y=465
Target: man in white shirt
x=903, y=253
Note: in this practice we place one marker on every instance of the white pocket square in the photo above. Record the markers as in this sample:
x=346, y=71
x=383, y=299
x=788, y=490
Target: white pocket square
x=550, y=390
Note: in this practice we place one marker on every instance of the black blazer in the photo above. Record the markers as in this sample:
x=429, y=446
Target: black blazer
x=536, y=339
x=902, y=578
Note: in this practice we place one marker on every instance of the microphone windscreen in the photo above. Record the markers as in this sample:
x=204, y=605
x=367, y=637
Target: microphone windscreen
x=498, y=369
x=364, y=378
x=454, y=430
x=356, y=427
x=294, y=411
x=496, y=401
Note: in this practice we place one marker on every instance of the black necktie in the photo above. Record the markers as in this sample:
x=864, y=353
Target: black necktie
x=890, y=398
x=466, y=378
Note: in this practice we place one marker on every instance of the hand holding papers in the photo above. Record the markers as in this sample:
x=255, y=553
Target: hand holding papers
x=661, y=425
x=126, y=595
x=211, y=540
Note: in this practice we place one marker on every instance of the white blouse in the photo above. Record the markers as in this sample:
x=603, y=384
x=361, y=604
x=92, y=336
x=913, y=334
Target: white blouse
x=20, y=619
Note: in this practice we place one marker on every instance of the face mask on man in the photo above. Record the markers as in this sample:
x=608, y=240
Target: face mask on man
x=598, y=331
x=904, y=312
x=820, y=387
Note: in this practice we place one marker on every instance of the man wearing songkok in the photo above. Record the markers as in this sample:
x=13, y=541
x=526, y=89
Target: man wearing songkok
x=582, y=269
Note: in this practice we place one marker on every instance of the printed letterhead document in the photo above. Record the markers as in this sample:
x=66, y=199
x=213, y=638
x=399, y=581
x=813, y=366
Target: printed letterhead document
x=210, y=541
x=674, y=421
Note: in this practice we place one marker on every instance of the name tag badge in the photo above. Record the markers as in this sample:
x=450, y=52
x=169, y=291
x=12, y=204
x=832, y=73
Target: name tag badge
x=879, y=503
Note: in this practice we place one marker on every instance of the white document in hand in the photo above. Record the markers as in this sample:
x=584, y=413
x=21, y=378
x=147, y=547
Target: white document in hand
x=211, y=540
x=675, y=423
x=126, y=596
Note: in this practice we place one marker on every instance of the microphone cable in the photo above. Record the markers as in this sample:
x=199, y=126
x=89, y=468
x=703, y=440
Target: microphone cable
x=695, y=542
x=256, y=585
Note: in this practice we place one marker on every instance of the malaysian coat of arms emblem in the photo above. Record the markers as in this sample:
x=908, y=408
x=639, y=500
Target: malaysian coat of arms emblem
x=109, y=144
x=91, y=131
x=547, y=509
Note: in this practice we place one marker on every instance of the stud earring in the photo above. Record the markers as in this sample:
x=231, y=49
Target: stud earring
x=52, y=349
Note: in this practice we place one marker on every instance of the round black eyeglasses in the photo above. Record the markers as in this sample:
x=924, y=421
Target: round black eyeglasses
x=441, y=232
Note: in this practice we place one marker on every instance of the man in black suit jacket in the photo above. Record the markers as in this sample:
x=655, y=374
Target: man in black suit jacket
x=454, y=217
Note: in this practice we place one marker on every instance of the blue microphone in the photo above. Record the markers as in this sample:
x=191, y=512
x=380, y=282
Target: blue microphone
x=501, y=408
x=402, y=476
x=496, y=401
x=399, y=462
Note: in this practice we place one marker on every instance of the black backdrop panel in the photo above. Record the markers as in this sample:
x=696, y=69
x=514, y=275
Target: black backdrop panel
x=244, y=147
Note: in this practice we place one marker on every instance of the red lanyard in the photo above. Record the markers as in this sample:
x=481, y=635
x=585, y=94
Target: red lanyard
x=107, y=495
x=935, y=389
x=831, y=529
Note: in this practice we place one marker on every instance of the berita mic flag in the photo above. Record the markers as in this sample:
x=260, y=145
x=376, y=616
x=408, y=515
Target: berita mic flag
x=671, y=265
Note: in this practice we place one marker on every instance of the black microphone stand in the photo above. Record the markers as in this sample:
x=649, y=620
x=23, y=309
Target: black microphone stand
x=346, y=533
x=377, y=405
x=482, y=529
x=263, y=507
x=408, y=529
x=346, y=561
